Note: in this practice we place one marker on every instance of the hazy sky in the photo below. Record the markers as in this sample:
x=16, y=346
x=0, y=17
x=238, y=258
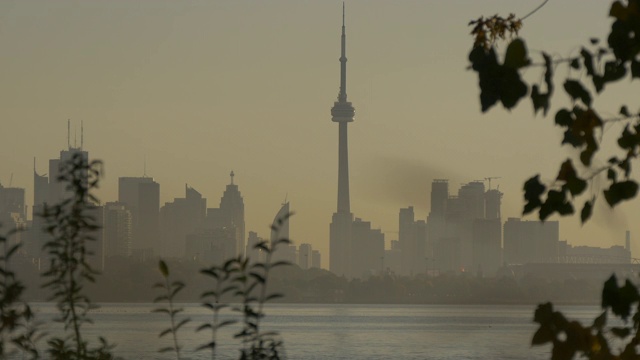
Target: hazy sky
x=201, y=88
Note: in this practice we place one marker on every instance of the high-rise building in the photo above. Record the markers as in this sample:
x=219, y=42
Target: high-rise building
x=464, y=233
x=182, y=217
x=439, y=196
x=141, y=195
x=281, y=223
x=49, y=190
x=232, y=213
x=367, y=249
x=341, y=222
x=13, y=214
x=406, y=237
x=531, y=241
x=117, y=230
x=412, y=236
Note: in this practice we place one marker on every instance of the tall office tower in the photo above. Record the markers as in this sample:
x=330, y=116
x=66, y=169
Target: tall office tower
x=412, y=238
x=436, y=219
x=182, y=217
x=407, y=239
x=367, y=249
x=487, y=236
x=37, y=236
x=141, y=195
x=12, y=201
x=439, y=196
x=232, y=213
x=117, y=229
x=96, y=247
x=12, y=212
x=341, y=222
x=48, y=190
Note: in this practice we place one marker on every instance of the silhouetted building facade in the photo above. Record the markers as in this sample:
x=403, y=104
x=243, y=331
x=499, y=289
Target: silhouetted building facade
x=141, y=195
x=182, y=217
x=367, y=249
x=230, y=215
x=464, y=234
x=211, y=246
x=117, y=230
x=530, y=241
x=412, y=237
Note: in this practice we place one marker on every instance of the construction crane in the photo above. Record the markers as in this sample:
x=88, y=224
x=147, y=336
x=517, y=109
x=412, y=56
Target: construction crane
x=490, y=178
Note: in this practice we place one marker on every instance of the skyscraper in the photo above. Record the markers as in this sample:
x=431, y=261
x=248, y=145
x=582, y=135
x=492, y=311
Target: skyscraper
x=232, y=212
x=343, y=113
x=180, y=218
x=141, y=195
x=48, y=190
x=117, y=230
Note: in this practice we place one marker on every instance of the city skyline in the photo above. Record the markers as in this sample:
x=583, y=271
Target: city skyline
x=239, y=108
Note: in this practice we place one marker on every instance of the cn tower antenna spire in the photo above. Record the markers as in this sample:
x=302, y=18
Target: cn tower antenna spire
x=342, y=97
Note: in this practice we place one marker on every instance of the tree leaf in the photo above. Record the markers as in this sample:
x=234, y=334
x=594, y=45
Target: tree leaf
x=587, y=209
x=575, y=89
x=624, y=111
x=600, y=321
x=163, y=268
x=533, y=189
x=635, y=68
x=516, y=56
x=620, y=191
x=542, y=336
x=564, y=118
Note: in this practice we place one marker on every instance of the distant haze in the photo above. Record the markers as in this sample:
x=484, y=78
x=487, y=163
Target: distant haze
x=203, y=88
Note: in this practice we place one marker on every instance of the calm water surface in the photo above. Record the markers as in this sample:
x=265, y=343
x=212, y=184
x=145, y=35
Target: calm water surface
x=340, y=331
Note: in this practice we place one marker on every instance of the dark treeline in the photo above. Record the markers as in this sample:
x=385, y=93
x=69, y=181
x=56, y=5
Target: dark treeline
x=127, y=281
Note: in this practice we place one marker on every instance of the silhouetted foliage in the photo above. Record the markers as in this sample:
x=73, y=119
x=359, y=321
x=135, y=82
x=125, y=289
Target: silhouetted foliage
x=500, y=80
x=214, y=300
x=17, y=329
x=171, y=289
x=599, y=340
x=583, y=130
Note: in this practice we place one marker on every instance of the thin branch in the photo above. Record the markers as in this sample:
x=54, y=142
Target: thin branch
x=535, y=10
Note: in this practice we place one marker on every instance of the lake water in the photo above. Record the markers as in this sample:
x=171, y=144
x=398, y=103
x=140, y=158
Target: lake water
x=339, y=331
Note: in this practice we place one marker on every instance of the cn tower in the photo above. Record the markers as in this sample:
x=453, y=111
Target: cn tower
x=342, y=113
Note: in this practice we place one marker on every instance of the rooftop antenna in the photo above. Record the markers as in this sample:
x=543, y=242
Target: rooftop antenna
x=232, y=175
x=145, y=166
x=81, y=134
x=69, y=133
x=490, y=178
